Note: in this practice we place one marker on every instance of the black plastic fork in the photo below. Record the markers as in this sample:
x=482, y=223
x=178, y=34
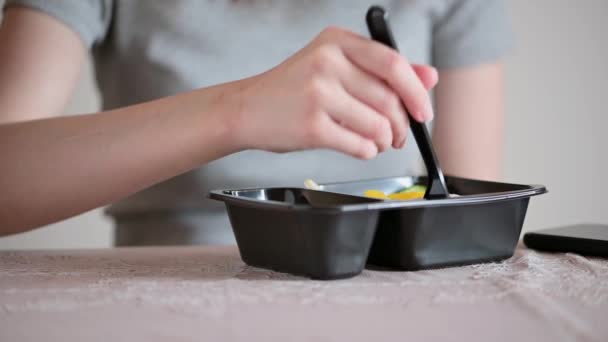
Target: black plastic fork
x=377, y=23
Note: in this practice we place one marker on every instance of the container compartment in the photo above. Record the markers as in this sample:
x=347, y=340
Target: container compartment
x=299, y=231
x=483, y=224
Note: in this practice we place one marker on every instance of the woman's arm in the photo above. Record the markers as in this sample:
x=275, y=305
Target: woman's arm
x=468, y=131
x=55, y=168
x=341, y=92
x=40, y=63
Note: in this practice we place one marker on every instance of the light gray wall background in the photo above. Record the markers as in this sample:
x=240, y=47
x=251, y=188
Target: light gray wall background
x=556, y=116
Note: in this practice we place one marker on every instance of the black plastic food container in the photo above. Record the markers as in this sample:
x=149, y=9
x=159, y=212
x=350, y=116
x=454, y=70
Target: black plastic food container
x=331, y=233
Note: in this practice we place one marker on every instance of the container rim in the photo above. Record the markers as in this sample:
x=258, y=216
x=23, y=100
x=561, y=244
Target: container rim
x=225, y=195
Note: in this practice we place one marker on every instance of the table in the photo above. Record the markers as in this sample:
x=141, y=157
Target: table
x=208, y=294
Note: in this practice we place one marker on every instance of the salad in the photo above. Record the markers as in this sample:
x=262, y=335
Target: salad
x=409, y=193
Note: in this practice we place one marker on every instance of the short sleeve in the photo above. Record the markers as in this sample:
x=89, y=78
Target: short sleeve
x=90, y=19
x=471, y=32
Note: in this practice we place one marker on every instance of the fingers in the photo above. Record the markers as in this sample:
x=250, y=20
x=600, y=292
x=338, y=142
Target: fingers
x=427, y=75
x=360, y=118
x=377, y=95
x=388, y=65
x=358, y=91
x=336, y=137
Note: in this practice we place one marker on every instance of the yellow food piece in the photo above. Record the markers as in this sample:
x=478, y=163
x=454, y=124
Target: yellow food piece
x=312, y=185
x=375, y=194
x=395, y=196
x=407, y=195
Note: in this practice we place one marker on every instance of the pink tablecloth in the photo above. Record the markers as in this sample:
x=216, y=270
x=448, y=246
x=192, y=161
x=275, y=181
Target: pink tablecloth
x=208, y=294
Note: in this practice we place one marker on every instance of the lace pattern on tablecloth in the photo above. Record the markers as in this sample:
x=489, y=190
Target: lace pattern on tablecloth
x=209, y=281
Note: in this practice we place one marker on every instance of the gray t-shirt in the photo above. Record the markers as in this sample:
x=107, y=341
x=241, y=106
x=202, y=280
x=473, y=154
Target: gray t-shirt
x=146, y=49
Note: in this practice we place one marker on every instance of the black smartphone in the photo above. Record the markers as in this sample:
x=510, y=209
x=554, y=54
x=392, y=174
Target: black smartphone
x=584, y=239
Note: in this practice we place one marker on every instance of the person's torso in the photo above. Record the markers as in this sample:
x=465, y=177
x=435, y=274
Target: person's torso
x=159, y=48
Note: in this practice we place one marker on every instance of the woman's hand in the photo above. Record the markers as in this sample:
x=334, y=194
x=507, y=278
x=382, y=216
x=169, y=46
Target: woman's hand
x=342, y=91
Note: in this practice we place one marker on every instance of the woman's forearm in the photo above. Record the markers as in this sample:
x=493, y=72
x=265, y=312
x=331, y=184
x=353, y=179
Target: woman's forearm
x=468, y=131
x=56, y=168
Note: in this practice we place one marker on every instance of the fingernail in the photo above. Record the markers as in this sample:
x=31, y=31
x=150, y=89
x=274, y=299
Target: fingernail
x=371, y=150
x=435, y=75
x=428, y=108
x=402, y=143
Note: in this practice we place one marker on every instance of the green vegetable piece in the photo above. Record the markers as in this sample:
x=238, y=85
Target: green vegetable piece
x=413, y=188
